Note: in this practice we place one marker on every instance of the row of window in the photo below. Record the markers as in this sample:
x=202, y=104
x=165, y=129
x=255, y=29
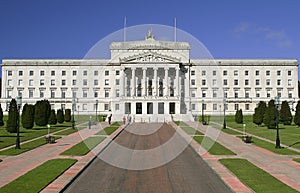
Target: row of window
x=215, y=107
x=246, y=72
x=63, y=73
x=236, y=82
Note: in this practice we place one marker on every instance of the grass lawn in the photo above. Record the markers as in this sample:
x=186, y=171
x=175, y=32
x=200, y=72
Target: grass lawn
x=84, y=147
x=189, y=130
x=254, y=177
x=38, y=178
x=297, y=160
x=289, y=134
x=67, y=132
x=212, y=147
x=110, y=129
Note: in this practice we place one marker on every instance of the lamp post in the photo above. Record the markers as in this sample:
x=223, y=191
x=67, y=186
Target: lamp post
x=19, y=104
x=202, y=112
x=224, y=122
x=277, y=103
x=96, y=110
x=48, y=126
x=73, y=109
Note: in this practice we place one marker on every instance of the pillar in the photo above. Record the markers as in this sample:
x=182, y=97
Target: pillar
x=133, y=81
x=166, y=82
x=122, y=83
x=144, y=82
x=155, y=82
x=177, y=82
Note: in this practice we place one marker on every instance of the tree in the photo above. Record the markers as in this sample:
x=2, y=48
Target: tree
x=297, y=114
x=285, y=115
x=239, y=116
x=1, y=116
x=28, y=116
x=52, y=118
x=259, y=112
x=42, y=112
x=60, y=116
x=68, y=115
x=270, y=115
x=12, y=122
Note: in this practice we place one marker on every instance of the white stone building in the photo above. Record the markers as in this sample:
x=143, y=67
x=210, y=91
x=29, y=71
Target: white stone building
x=152, y=81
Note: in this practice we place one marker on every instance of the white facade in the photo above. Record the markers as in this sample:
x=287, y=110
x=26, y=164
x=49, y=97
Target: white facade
x=151, y=80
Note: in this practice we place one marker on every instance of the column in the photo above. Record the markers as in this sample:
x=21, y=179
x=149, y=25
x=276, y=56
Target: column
x=122, y=82
x=144, y=82
x=177, y=83
x=155, y=81
x=166, y=82
x=133, y=82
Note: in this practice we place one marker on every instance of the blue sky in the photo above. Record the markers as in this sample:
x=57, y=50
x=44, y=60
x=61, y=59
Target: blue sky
x=228, y=28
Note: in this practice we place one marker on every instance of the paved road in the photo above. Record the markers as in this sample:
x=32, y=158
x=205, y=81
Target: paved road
x=186, y=173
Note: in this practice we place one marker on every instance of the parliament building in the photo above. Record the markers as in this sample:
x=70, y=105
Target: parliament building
x=151, y=80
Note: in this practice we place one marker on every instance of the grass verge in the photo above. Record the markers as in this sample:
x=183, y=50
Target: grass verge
x=255, y=178
x=212, y=147
x=110, y=129
x=297, y=160
x=38, y=178
x=83, y=147
x=186, y=128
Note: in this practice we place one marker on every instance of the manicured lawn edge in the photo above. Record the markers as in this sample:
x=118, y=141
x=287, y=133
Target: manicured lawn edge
x=186, y=128
x=109, y=130
x=255, y=178
x=83, y=147
x=212, y=147
x=297, y=160
x=38, y=178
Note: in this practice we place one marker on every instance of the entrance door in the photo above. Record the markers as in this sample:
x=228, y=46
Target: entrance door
x=149, y=108
x=171, y=108
x=127, y=108
x=139, y=108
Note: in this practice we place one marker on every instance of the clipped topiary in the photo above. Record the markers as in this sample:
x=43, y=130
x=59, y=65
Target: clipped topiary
x=52, y=119
x=285, y=115
x=60, y=116
x=42, y=112
x=270, y=115
x=1, y=117
x=297, y=114
x=239, y=116
x=28, y=116
x=12, y=122
x=68, y=115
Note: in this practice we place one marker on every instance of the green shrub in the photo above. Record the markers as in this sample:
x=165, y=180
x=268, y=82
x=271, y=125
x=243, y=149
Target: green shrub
x=28, y=116
x=67, y=115
x=42, y=112
x=270, y=115
x=285, y=115
x=239, y=116
x=297, y=114
x=60, y=116
x=1, y=116
x=52, y=119
x=259, y=112
x=13, y=116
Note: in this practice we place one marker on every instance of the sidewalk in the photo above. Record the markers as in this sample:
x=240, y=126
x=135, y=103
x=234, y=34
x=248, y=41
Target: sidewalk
x=13, y=167
x=281, y=167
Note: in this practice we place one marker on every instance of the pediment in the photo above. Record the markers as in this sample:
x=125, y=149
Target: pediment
x=150, y=57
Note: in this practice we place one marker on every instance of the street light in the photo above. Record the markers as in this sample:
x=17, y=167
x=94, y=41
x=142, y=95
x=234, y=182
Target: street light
x=96, y=110
x=224, y=103
x=277, y=103
x=203, y=112
x=19, y=104
x=73, y=109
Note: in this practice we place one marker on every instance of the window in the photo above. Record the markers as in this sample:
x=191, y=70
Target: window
x=20, y=93
x=31, y=73
x=96, y=73
x=84, y=94
x=106, y=107
x=96, y=82
x=236, y=82
x=278, y=72
x=30, y=93
x=193, y=93
x=106, y=82
x=278, y=82
x=117, y=107
x=203, y=72
x=117, y=72
x=268, y=82
x=289, y=82
x=52, y=82
x=42, y=73
x=289, y=73
x=203, y=82
x=117, y=93
x=204, y=106
x=203, y=94
x=117, y=81
x=215, y=107
x=74, y=94
x=9, y=93
x=268, y=73
x=52, y=73
x=290, y=94
x=268, y=94
x=20, y=82
x=63, y=82
x=106, y=93
x=214, y=82
x=9, y=82
x=235, y=73
x=225, y=83
x=63, y=94
x=247, y=94
x=96, y=94
x=193, y=72
x=257, y=94
x=106, y=73
x=236, y=94
x=225, y=94
x=52, y=94
x=9, y=73
x=279, y=93
x=84, y=82
x=42, y=82
x=85, y=73
x=236, y=107
x=246, y=82
x=214, y=94
x=73, y=82
x=225, y=73
x=20, y=73
x=42, y=94
x=214, y=72
x=193, y=106
x=247, y=107
x=193, y=82
x=257, y=72
x=246, y=72
x=30, y=82
x=256, y=82
x=74, y=72
x=84, y=107
x=63, y=73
